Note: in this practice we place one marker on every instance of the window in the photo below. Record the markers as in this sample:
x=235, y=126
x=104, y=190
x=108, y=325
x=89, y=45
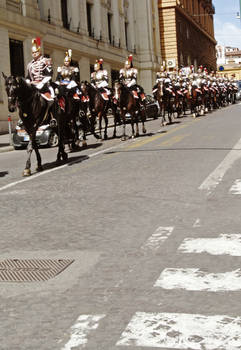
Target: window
x=16, y=58
x=126, y=34
x=89, y=23
x=64, y=9
x=109, y=27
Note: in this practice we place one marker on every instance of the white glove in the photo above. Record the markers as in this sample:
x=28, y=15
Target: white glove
x=59, y=69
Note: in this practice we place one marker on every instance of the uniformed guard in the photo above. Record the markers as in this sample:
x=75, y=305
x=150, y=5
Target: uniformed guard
x=68, y=74
x=99, y=79
x=40, y=71
x=128, y=75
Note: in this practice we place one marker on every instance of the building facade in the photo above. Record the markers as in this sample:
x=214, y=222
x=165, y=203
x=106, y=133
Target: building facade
x=108, y=29
x=187, y=33
x=229, y=61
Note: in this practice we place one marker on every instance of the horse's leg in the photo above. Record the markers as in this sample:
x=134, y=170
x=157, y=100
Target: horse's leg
x=61, y=124
x=123, y=117
x=99, y=116
x=27, y=170
x=143, y=119
x=39, y=161
x=106, y=126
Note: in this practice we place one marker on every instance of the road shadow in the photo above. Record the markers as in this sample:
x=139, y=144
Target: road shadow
x=71, y=161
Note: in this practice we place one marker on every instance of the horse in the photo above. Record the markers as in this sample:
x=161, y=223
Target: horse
x=158, y=95
x=68, y=105
x=129, y=104
x=33, y=111
x=169, y=101
x=98, y=108
x=195, y=100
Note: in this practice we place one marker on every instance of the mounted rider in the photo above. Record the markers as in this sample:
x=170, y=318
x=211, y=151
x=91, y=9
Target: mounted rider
x=99, y=79
x=128, y=75
x=68, y=75
x=40, y=71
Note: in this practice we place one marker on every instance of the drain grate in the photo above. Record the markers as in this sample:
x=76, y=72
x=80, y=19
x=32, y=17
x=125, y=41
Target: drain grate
x=31, y=270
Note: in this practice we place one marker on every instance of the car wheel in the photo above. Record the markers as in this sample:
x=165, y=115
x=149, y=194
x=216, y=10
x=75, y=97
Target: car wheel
x=53, y=139
x=18, y=147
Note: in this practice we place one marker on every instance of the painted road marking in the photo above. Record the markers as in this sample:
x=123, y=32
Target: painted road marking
x=80, y=331
x=236, y=188
x=173, y=140
x=183, y=331
x=155, y=137
x=213, y=180
x=158, y=238
x=197, y=280
x=197, y=223
x=229, y=244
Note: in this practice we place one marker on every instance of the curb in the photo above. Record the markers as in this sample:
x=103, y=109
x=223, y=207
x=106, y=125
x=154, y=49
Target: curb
x=6, y=149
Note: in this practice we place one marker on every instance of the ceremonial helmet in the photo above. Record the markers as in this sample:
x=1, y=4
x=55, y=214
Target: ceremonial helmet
x=98, y=64
x=128, y=62
x=68, y=56
x=36, y=47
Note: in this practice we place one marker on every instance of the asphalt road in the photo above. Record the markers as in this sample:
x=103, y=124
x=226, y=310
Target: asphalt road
x=154, y=228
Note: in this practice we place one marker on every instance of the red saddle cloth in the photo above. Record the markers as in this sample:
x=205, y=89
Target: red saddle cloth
x=76, y=96
x=85, y=98
x=62, y=103
x=47, y=96
x=105, y=96
x=135, y=94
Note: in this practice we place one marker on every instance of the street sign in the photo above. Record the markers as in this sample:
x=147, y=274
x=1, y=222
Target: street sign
x=221, y=68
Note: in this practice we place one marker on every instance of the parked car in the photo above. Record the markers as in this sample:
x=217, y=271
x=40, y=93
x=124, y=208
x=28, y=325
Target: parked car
x=45, y=136
x=151, y=107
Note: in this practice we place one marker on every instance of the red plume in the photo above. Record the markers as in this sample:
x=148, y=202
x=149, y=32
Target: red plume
x=100, y=60
x=130, y=57
x=38, y=41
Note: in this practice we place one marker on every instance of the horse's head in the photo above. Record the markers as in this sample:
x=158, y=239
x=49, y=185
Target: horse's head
x=86, y=87
x=12, y=86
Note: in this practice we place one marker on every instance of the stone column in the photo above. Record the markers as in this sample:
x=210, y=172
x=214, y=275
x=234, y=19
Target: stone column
x=58, y=60
x=27, y=52
x=30, y=9
x=84, y=68
x=97, y=20
x=3, y=3
x=74, y=14
x=4, y=67
x=107, y=66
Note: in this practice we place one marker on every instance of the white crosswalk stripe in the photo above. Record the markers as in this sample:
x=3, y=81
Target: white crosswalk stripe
x=229, y=244
x=197, y=280
x=80, y=330
x=182, y=331
x=236, y=188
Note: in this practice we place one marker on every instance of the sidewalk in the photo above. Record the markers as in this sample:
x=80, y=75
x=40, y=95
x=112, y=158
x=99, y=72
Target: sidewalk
x=4, y=143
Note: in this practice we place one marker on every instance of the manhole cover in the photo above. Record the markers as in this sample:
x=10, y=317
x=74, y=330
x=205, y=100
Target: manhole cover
x=31, y=270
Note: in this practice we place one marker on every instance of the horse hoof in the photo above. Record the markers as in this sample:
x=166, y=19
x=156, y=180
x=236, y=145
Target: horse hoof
x=106, y=137
x=39, y=168
x=137, y=135
x=144, y=131
x=84, y=145
x=123, y=138
x=26, y=172
x=64, y=156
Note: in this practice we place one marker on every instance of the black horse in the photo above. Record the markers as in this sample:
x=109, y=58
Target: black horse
x=33, y=111
x=129, y=104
